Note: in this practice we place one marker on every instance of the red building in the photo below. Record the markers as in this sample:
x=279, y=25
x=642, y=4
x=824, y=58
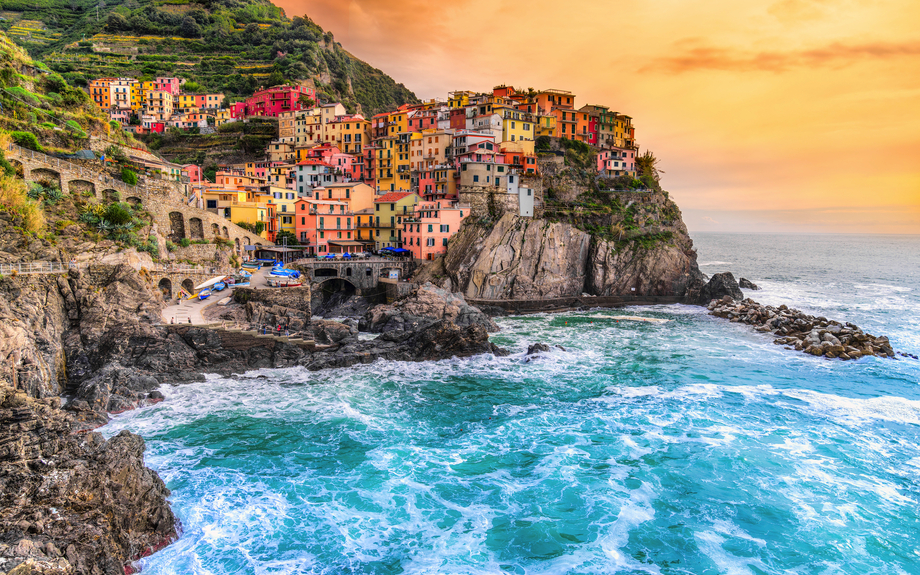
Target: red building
x=270, y=102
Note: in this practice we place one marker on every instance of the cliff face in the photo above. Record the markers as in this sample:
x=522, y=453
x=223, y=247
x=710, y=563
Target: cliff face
x=642, y=250
x=73, y=503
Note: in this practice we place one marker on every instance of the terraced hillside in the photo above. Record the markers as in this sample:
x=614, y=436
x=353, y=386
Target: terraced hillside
x=233, y=46
x=43, y=112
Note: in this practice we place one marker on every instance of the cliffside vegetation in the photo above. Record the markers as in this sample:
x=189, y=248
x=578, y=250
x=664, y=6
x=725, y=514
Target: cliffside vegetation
x=235, y=142
x=41, y=111
x=232, y=46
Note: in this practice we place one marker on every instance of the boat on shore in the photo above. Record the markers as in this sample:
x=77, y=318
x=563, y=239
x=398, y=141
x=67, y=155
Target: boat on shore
x=204, y=294
x=219, y=286
x=279, y=282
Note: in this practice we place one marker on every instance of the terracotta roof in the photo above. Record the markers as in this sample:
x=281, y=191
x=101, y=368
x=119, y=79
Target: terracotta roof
x=393, y=196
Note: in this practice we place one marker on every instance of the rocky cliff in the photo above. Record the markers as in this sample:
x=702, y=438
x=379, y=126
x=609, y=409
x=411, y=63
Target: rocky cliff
x=640, y=250
x=73, y=503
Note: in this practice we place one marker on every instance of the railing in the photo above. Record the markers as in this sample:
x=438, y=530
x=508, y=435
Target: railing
x=186, y=268
x=38, y=267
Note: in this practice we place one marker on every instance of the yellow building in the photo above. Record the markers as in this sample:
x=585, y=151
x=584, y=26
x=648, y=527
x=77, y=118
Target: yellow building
x=351, y=134
x=517, y=126
x=250, y=213
x=386, y=163
x=364, y=225
x=545, y=125
x=460, y=99
x=397, y=122
x=389, y=211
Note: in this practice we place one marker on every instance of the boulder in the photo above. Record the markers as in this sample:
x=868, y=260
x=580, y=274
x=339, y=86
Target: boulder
x=745, y=283
x=425, y=306
x=720, y=286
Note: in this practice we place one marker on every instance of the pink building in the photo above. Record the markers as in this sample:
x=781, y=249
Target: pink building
x=192, y=172
x=427, y=232
x=324, y=225
x=423, y=120
x=617, y=162
x=166, y=84
x=272, y=101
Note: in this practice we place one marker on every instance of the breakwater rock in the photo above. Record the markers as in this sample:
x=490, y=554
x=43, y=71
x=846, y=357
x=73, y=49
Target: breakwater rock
x=74, y=503
x=813, y=335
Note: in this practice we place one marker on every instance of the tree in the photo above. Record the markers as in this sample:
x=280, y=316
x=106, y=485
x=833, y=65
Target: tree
x=116, y=22
x=189, y=28
x=284, y=234
x=647, y=166
x=306, y=101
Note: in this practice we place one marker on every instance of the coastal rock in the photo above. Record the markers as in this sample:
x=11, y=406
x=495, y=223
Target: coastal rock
x=815, y=336
x=536, y=348
x=436, y=341
x=74, y=502
x=671, y=270
x=423, y=307
x=326, y=332
x=720, y=286
x=745, y=283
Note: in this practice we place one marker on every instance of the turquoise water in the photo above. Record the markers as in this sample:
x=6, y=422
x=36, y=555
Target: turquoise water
x=693, y=446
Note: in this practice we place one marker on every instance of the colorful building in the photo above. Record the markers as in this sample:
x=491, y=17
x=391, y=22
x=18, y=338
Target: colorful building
x=427, y=231
x=270, y=102
x=389, y=211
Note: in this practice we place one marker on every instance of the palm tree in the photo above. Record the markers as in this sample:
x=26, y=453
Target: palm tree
x=647, y=165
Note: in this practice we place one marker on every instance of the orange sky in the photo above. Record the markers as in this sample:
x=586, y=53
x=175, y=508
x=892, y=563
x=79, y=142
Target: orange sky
x=782, y=115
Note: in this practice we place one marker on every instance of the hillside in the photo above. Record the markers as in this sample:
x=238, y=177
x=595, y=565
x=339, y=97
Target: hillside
x=43, y=112
x=232, y=46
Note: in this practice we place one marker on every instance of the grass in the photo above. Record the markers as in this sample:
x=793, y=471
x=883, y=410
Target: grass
x=15, y=200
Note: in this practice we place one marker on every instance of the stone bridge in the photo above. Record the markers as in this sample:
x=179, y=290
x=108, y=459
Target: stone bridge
x=361, y=275
x=166, y=201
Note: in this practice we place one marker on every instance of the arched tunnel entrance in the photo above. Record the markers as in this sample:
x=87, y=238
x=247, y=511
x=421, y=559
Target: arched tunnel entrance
x=165, y=287
x=330, y=295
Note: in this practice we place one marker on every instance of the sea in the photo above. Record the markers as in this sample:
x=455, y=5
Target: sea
x=694, y=446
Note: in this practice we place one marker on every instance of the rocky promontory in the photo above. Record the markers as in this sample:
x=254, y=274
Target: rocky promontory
x=74, y=503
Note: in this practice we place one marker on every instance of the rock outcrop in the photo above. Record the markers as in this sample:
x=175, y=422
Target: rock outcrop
x=74, y=503
x=532, y=258
x=424, y=306
x=745, y=283
x=719, y=286
x=810, y=334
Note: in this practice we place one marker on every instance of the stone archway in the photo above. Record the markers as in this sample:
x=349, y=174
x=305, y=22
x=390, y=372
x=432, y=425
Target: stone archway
x=246, y=242
x=215, y=230
x=188, y=285
x=111, y=195
x=196, y=229
x=348, y=272
x=325, y=273
x=237, y=242
x=135, y=202
x=46, y=175
x=165, y=286
x=17, y=165
x=177, y=225
x=227, y=234
x=331, y=292
x=81, y=188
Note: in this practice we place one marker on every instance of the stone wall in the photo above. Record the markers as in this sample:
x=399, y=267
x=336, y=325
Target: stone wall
x=495, y=202
x=293, y=297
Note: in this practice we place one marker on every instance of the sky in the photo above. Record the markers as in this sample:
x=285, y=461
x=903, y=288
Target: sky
x=767, y=116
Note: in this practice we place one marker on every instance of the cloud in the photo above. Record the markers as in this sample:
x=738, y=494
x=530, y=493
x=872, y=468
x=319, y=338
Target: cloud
x=710, y=220
x=836, y=54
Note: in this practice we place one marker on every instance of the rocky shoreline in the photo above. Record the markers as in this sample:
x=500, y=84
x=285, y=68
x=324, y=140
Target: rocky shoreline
x=797, y=331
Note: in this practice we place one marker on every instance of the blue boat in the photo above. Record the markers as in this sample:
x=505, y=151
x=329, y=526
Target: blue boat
x=252, y=265
x=219, y=286
x=245, y=274
x=204, y=294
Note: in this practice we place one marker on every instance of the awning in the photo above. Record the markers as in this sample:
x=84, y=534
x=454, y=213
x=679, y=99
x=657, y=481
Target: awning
x=346, y=243
x=210, y=282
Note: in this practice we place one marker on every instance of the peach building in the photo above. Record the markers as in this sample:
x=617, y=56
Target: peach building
x=428, y=230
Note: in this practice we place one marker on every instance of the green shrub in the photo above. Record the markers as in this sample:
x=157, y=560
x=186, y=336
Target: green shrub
x=26, y=140
x=184, y=242
x=118, y=214
x=170, y=246
x=128, y=176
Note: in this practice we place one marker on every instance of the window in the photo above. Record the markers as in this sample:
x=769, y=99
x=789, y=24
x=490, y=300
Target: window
x=444, y=240
x=322, y=235
x=430, y=242
x=445, y=228
x=321, y=223
x=475, y=178
x=430, y=228
x=212, y=204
